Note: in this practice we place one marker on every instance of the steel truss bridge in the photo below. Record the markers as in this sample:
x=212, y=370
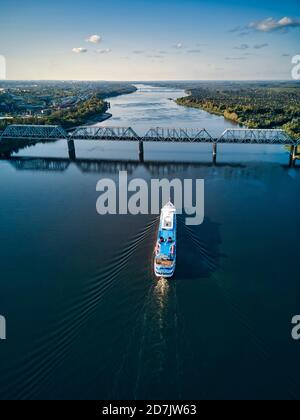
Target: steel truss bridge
x=18, y=136
x=238, y=136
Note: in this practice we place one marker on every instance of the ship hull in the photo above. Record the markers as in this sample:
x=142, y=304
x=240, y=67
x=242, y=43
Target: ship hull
x=165, y=251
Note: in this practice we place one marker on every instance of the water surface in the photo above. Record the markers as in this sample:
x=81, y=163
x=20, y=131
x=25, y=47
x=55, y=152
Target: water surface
x=86, y=317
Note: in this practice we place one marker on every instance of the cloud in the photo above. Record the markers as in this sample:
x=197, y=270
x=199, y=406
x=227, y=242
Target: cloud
x=240, y=30
x=236, y=29
x=105, y=51
x=94, y=39
x=156, y=56
x=242, y=47
x=260, y=46
x=235, y=58
x=179, y=46
x=244, y=33
x=138, y=52
x=194, y=51
x=79, y=50
x=271, y=24
x=245, y=47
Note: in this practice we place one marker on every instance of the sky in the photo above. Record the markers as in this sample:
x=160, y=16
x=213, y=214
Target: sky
x=149, y=40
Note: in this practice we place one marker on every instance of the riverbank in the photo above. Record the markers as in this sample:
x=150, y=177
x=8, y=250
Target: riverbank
x=232, y=117
x=99, y=118
x=96, y=119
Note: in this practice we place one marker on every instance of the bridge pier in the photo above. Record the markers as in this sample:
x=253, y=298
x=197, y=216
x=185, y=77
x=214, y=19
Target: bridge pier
x=21, y=135
x=72, y=151
x=215, y=152
x=141, y=151
x=293, y=156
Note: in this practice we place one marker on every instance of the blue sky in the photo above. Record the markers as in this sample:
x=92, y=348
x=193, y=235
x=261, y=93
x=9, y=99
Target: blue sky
x=149, y=40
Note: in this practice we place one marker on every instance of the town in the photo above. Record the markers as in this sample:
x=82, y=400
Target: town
x=68, y=104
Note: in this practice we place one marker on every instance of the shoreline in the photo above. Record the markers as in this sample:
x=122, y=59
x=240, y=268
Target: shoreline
x=100, y=118
x=97, y=119
x=209, y=111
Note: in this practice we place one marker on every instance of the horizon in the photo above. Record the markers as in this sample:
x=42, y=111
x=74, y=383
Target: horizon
x=155, y=81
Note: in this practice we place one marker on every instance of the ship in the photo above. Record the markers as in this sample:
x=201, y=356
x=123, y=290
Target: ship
x=165, y=250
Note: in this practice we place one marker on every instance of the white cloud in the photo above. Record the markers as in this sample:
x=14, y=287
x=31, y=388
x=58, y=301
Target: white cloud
x=156, y=56
x=260, y=46
x=94, y=39
x=242, y=47
x=179, y=46
x=271, y=24
x=235, y=58
x=105, y=51
x=196, y=51
x=79, y=50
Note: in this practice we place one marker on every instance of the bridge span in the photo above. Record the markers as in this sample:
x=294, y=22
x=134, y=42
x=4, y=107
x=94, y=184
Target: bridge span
x=15, y=135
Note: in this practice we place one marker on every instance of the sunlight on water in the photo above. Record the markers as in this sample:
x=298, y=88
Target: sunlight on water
x=161, y=293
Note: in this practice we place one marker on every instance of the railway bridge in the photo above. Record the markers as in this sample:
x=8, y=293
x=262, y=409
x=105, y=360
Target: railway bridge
x=18, y=136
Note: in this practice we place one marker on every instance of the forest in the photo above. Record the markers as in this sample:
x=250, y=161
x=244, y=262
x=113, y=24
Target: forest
x=254, y=105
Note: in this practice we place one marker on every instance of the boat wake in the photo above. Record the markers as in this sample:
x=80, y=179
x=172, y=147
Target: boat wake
x=37, y=372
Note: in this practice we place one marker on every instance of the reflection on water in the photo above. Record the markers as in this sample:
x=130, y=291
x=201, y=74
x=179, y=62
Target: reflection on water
x=155, y=169
x=86, y=317
x=161, y=292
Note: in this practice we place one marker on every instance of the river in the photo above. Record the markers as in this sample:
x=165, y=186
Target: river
x=156, y=107
x=85, y=316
